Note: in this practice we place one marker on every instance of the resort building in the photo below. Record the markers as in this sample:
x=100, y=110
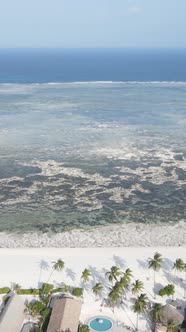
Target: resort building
x=168, y=313
x=12, y=316
x=65, y=315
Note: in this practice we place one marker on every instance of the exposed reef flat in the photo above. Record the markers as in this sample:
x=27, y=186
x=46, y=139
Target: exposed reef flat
x=55, y=196
x=91, y=157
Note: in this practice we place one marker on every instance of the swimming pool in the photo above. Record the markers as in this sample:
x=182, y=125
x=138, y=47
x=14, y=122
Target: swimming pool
x=100, y=324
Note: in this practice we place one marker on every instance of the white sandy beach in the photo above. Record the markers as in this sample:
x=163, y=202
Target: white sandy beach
x=30, y=267
x=117, y=235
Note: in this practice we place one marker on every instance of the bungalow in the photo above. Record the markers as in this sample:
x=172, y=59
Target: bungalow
x=12, y=316
x=65, y=315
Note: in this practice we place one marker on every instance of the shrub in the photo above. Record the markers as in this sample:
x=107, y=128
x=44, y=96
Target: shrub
x=4, y=290
x=83, y=328
x=29, y=291
x=44, y=319
x=64, y=289
x=77, y=292
x=46, y=288
x=167, y=290
x=162, y=292
x=36, y=329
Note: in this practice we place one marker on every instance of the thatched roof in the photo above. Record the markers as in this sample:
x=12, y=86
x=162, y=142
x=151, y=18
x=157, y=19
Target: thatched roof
x=168, y=312
x=65, y=315
x=12, y=316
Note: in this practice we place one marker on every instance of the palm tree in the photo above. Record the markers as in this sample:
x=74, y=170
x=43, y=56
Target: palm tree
x=179, y=265
x=185, y=282
x=16, y=288
x=57, y=266
x=34, y=308
x=28, y=309
x=97, y=289
x=45, y=293
x=155, y=263
x=113, y=274
x=86, y=274
x=114, y=296
x=171, y=326
x=124, y=285
x=44, y=318
x=155, y=313
x=128, y=275
x=137, y=287
x=140, y=306
x=117, y=287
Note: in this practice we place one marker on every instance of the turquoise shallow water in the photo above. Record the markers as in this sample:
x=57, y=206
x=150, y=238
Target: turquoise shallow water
x=86, y=154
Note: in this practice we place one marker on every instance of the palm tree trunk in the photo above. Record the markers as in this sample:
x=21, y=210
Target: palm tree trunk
x=50, y=276
x=48, y=279
x=174, y=283
x=137, y=322
x=154, y=326
x=154, y=283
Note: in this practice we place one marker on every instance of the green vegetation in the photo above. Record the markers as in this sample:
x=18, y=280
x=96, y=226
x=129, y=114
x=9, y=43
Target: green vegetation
x=4, y=290
x=77, y=292
x=113, y=274
x=34, y=308
x=155, y=314
x=155, y=263
x=39, y=309
x=57, y=266
x=44, y=318
x=128, y=275
x=179, y=265
x=172, y=326
x=46, y=288
x=140, y=306
x=86, y=274
x=118, y=284
x=167, y=290
x=137, y=287
x=83, y=328
x=28, y=291
x=16, y=288
x=36, y=329
x=64, y=289
x=97, y=289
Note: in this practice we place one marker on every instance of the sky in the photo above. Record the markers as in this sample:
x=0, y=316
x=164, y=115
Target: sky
x=93, y=23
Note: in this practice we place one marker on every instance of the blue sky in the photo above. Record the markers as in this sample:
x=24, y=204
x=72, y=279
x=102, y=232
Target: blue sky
x=92, y=23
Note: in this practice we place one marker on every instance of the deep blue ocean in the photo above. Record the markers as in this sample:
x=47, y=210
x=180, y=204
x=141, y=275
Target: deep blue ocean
x=91, y=138
x=77, y=65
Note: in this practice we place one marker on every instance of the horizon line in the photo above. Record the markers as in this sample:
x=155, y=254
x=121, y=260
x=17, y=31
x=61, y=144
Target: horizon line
x=92, y=48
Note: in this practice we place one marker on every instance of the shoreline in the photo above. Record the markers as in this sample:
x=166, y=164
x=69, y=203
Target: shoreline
x=117, y=235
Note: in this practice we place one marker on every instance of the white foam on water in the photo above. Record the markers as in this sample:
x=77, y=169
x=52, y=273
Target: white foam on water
x=120, y=235
x=96, y=82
